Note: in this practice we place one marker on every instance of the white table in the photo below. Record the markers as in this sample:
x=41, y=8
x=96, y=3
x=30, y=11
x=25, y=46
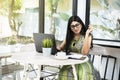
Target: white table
x=37, y=59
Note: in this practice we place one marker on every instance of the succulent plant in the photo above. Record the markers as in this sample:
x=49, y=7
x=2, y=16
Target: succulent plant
x=11, y=41
x=47, y=43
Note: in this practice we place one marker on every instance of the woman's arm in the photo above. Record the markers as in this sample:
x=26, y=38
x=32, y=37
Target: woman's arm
x=61, y=46
x=87, y=41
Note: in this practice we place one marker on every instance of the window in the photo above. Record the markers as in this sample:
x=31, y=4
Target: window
x=29, y=17
x=18, y=20
x=105, y=18
x=57, y=13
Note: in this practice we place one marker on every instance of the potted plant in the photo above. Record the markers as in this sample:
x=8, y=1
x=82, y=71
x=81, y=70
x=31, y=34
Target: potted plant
x=12, y=44
x=47, y=45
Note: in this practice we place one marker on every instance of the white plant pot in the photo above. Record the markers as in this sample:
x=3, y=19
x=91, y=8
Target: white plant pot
x=12, y=48
x=46, y=51
x=15, y=47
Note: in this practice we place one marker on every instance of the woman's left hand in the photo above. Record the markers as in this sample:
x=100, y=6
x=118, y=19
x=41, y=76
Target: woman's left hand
x=89, y=30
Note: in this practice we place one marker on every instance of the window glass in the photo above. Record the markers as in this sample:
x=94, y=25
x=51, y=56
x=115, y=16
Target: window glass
x=30, y=17
x=18, y=20
x=105, y=18
x=57, y=13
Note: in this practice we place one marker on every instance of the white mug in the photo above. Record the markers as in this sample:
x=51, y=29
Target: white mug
x=61, y=54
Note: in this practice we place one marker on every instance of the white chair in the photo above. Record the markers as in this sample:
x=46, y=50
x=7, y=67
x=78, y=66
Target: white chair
x=10, y=68
x=100, y=60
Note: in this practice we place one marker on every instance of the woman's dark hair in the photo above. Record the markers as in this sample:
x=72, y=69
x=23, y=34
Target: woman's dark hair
x=70, y=34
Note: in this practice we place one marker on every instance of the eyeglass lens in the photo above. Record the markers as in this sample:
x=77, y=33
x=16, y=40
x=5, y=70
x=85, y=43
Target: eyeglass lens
x=73, y=26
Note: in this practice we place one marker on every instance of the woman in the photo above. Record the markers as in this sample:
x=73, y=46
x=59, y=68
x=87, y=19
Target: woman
x=79, y=40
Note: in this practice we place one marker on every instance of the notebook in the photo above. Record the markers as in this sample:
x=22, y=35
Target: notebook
x=38, y=37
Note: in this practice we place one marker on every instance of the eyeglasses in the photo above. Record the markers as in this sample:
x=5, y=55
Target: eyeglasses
x=76, y=25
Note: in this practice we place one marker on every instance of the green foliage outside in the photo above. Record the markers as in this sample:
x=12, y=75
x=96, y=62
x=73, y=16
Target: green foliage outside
x=47, y=43
x=107, y=22
x=11, y=41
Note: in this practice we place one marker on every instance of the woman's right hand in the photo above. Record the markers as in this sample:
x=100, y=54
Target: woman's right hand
x=61, y=46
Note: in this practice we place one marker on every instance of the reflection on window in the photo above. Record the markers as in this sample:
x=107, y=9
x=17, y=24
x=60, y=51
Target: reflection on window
x=57, y=13
x=19, y=20
x=105, y=17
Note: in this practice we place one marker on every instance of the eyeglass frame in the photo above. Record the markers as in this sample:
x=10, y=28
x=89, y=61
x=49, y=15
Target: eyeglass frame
x=73, y=26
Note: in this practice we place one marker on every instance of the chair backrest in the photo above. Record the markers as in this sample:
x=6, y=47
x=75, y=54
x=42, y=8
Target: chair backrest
x=109, y=68
x=97, y=50
x=102, y=62
x=96, y=53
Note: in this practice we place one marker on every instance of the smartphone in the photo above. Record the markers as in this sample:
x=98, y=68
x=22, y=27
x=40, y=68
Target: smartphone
x=82, y=58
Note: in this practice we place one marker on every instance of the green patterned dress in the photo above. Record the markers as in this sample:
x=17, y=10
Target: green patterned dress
x=85, y=71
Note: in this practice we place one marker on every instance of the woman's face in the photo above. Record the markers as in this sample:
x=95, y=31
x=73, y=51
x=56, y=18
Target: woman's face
x=76, y=27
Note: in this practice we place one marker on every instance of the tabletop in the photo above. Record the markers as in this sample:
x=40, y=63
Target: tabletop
x=39, y=59
x=33, y=57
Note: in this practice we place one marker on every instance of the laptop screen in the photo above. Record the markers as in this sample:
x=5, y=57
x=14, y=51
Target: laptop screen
x=38, y=37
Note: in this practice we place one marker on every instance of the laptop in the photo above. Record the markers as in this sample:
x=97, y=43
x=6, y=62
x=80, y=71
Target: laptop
x=38, y=37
